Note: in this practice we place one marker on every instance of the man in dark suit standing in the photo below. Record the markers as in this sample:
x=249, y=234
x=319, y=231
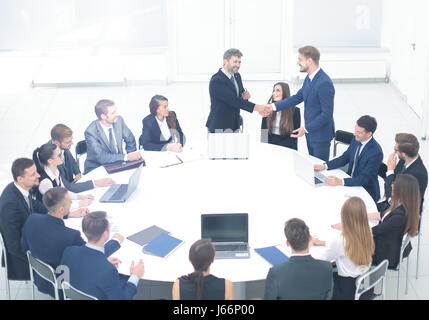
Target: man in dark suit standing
x=17, y=202
x=104, y=138
x=364, y=157
x=89, y=269
x=318, y=94
x=62, y=136
x=407, y=150
x=301, y=277
x=228, y=96
x=46, y=235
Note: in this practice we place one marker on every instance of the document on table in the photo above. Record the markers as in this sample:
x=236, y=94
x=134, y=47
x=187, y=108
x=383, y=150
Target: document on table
x=161, y=159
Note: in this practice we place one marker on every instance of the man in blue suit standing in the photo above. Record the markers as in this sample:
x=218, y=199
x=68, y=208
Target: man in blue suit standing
x=91, y=272
x=46, y=235
x=318, y=94
x=104, y=138
x=364, y=157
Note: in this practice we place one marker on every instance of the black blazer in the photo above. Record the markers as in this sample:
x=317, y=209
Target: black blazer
x=285, y=140
x=68, y=170
x=50, y=244
x=388, y=237
x=151, y=138
x=14, y=211
x=300, y=278
x=225, y=104
x=416, y=169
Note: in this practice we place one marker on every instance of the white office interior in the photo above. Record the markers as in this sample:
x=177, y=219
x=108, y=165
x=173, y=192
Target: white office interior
x=59, y=57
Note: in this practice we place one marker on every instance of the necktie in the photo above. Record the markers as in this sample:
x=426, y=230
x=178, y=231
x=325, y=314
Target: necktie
x=30, y=205
x=356, y=155
x=112, y=141
x=233, y=83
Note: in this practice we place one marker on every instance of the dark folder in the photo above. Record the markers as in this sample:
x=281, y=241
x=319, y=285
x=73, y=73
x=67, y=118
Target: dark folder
x=162, y=245
x=272, y=255
x=123, y=165
x=147, y=235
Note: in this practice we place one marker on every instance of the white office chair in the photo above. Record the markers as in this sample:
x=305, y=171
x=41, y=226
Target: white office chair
x=418, y=244
x=71, y=293
x=405, y=241
x=44, y=270
x=3, y=249
x=371, y=278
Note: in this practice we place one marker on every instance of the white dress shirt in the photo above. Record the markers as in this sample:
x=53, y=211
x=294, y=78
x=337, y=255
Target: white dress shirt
x=276, y=124
x=163, y=126
x=133, y=278
x=24, y=192
x=106, y=132
x=335, y=251
x=229, y=75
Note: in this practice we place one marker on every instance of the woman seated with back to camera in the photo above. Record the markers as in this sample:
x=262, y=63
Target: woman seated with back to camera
x=201, y=285
x=351, y=249
x=400, y=218
x=47, y=159
x=280, y=125
x=161, y=130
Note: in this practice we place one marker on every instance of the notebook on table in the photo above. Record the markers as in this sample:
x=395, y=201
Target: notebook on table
x=121, y=192
x=272, y=254
x=162, y=245
x=147, y=235
x=123, y=165
x=229, y=234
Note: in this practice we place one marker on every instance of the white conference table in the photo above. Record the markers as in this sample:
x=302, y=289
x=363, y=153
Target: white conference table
x=264, y=186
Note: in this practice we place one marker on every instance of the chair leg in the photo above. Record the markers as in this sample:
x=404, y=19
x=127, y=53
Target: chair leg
x=7, y=288
x=418, y=256
x=406, y=277
x=397, y=287
x=32, y=292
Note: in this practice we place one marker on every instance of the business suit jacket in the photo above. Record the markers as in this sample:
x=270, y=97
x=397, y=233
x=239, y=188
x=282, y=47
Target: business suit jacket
x=416, y=169
x=318, y=96
x=300, y=278
x=388, y=237
x=225, y=104
x=14, y=211
x=366, y=168
x=68, y=170
x=98, y=147
x=286, y=140
x=47, y=237
x=151, y=134
x=91, y=273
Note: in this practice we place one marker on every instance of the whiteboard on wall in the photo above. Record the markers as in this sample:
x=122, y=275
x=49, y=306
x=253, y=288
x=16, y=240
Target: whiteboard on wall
x=337, y=23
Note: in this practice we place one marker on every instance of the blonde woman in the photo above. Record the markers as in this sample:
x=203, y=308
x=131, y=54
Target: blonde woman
x=351, y=249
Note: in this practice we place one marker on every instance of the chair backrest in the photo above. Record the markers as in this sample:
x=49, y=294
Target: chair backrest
x=371, y=278
x=3, y=249
x=71, y=293
x=343, y=136
x=80, y=148
x=405, y=241
x=44, y=270
x=382, y=171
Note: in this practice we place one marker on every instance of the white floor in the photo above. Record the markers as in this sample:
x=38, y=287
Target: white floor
x=27, y=116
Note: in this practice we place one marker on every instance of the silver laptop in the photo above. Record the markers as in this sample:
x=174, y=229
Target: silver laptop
x=304, y=169
x=229, y=233
x=121, y=192
x=228, y=145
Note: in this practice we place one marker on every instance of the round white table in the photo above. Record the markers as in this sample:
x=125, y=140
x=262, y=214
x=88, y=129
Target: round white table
x=264, y=186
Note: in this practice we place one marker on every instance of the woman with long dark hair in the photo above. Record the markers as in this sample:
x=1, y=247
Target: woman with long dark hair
x=279, y=125
x=47, y=159
x=200, y=284
x=400, y=218
x=161, y=129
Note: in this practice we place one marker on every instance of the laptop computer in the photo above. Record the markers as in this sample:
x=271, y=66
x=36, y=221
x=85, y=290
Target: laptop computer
x=228, y=146
x=121, y=192
x=304, y=169
x=229, y=233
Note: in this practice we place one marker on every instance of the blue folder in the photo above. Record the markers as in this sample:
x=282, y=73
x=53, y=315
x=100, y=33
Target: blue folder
x=162, y=245
x=272, y=255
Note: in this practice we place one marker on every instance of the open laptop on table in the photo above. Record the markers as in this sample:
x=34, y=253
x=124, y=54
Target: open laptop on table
x=304, y=169
x=229, y=234
x=121, y=192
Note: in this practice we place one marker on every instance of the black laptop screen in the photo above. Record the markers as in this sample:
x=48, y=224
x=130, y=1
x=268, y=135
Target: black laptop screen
x=225, y=227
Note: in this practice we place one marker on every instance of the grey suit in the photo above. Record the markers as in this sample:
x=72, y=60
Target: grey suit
x=98, y=148
x=300, y=278
x=68, y=170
